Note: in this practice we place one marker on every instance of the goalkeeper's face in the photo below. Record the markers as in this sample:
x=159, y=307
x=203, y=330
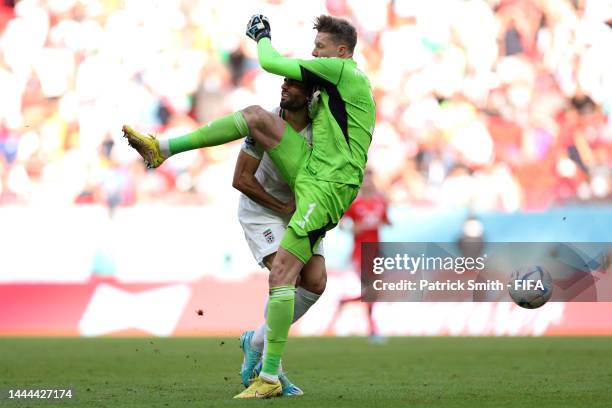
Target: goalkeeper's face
x=293, y=95
x=326, y=46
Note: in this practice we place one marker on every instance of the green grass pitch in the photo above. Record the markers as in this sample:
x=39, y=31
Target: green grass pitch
x=333, y=372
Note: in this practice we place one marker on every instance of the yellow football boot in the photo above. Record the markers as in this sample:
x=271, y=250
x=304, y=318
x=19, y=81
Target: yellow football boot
x=146, y=145
x=261, y=389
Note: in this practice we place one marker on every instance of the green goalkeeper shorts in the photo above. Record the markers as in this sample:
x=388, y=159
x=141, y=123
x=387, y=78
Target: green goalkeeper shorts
x=319, y=204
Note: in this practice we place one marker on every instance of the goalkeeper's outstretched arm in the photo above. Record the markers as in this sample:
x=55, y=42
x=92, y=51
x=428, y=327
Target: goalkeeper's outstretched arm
x=320, y=71
x=271, y=61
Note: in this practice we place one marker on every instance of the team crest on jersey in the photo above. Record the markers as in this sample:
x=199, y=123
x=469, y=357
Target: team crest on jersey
x=269, y=236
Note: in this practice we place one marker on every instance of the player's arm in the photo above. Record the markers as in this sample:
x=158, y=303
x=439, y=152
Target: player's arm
x=319, y=71
x=271, y=61
x=245, y=182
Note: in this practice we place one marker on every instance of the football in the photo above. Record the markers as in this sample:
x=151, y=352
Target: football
x=530, y=287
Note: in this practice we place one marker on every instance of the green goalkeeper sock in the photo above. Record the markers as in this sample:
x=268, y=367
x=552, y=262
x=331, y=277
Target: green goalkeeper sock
x=217, y=132
x=280, y=316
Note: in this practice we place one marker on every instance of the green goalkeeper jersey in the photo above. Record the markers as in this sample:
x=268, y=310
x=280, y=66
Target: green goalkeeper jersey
x=343, y=118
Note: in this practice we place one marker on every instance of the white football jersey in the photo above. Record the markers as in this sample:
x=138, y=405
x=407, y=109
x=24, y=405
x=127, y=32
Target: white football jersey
x=271, y=180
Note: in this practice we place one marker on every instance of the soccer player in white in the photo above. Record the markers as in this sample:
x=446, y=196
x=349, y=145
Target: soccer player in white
x=266, y=205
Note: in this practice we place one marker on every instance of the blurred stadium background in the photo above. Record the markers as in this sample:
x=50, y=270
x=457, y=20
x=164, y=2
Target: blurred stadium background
x=494, y=108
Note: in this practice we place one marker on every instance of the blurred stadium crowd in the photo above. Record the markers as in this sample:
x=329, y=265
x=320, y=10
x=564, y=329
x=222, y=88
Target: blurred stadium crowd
x=492, y=104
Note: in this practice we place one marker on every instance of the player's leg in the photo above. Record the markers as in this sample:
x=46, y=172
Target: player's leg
x=326, y=203
x=281, y=302
x=252, y=343
x=268, y=260
x=265, y=127
x=263, y=241
x=319, y=206
x=312, y=281
x=289, y=155
x=306, y=229
x=313, y=275
x=375, y=336
x=344, y=301
x=258, y=338
x=338, y=312
x=304, y=299
x=285, y=270
x=371, y=322
x=368, y=293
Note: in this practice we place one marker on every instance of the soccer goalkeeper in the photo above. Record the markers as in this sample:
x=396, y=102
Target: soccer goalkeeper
x=325, y=179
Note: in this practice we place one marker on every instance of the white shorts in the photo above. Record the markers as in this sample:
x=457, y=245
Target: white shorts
x=264, y=239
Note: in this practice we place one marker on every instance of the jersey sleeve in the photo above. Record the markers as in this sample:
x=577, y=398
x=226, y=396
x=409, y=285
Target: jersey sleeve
x=319, y=71
x=252, y=148
x=271, y=61
x=322, y=71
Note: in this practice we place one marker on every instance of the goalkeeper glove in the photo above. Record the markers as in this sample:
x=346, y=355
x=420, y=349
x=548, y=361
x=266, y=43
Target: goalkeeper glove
x=258, y=27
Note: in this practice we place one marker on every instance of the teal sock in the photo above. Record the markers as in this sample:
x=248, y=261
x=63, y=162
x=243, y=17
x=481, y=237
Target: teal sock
x=280, y=316
x=217, y=132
